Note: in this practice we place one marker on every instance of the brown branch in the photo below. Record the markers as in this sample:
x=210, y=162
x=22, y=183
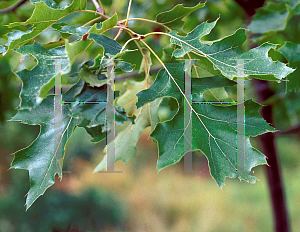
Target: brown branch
x=264, y=92
x=273, y=170
x=154, y=69
x=250, y=6
x=294, y=130
x=13, y=7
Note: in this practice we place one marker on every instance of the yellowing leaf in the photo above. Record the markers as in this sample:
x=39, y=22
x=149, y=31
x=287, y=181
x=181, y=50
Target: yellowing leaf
x=129, y=98
x=126, y=140
x=146, y=63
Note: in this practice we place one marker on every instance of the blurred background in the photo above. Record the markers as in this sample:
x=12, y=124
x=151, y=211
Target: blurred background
x=141, y=199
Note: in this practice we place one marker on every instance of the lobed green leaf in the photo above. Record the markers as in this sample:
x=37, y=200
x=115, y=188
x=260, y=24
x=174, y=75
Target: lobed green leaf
x=43, y=158
x=292, y=52
x=173, y=18
x=224, y=53
x=214, y=128
x=42, y=18
x=272, y=17
x=38, y=81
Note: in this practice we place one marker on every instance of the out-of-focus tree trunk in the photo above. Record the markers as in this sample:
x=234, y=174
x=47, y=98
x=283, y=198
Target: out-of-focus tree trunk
x=281, y=222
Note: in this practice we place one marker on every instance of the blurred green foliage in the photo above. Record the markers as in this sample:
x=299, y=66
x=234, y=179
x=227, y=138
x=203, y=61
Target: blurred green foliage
x=8, y=90
x=91, y=210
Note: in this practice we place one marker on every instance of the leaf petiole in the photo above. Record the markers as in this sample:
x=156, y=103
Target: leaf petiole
x=147, y=20
x=171, y=36
x=128, y=12
x=91, y=21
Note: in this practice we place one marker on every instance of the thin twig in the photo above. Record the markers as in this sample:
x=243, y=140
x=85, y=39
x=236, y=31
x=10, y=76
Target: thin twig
x=100, y=12
x=126, y=21
x=96, y=12
x=123, y=48
x=132, y=33
x=101, y=5
x=13, y=7
x=294, y=130
x=148, y=20
x=128, y=12
x=91, y=21
x=119, y=33
x=98, y=7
